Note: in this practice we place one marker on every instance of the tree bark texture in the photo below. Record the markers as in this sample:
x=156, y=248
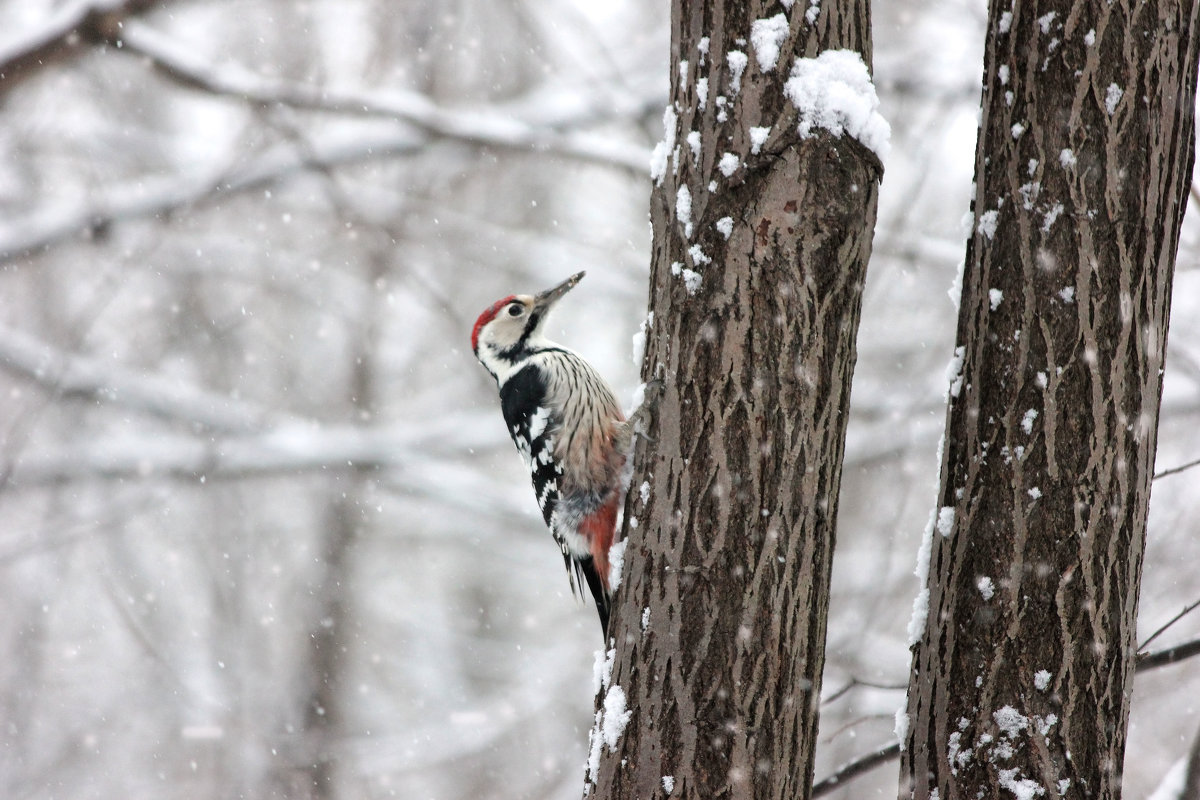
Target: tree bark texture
x=719, y=628
x=1021, y=678
x=1191, y=774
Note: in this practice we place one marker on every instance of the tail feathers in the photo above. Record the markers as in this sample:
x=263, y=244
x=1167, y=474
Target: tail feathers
x=597, y=529
x=585, y=568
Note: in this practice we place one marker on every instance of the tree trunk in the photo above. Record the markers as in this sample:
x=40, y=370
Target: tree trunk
x=1191, y=773
x=1021, y=677
x=758, y=268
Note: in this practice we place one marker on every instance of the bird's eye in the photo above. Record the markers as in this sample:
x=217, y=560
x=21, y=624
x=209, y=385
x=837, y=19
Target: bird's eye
x=516, y=310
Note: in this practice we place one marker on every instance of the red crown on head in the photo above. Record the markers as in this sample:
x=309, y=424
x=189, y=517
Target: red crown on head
x=486, y=317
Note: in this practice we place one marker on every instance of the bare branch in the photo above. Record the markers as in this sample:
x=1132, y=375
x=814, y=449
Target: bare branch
x=855, y=768
x=1171, y=655
x=60, y=37
x=854, y=683
x=1177, y=470
x=1189, y=608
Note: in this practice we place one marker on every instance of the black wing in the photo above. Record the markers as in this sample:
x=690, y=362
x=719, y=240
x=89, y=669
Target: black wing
x=532, y=425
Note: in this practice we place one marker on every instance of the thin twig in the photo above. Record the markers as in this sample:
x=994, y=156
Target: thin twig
x=1186, y=610
x=1176, y=470
x=854, y=683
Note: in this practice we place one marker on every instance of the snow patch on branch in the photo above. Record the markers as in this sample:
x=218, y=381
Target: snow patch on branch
x=662, y=150
x=1112, y=98
x=1010, y=721
x=1051, y=216
x=767, y=35
x=616, y=564
x=916, y=623
x=901, y=727
x=639, y=339
x=987, y=223
x=611, y=719
x=683, y=209
x=834, y=91
x=737, y=62
x=954, y=377
x=602, y=665
x=616, y=717
x=1022, y=788
x=729, y=164
x=920, y=612
x=693, y=140
x=758, y=137
x=945, y=521
x=691, y=278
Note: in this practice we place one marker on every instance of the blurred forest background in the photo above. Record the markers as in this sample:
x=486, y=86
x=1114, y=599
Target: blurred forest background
x=262, y=532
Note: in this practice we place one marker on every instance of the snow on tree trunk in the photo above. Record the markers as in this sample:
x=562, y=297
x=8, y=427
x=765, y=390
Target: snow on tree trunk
x=763, y=209
x=1024, y=637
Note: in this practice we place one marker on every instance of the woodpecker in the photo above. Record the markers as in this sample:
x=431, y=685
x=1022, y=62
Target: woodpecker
x=568, y=429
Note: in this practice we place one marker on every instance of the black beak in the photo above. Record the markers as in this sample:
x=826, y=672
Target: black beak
x=543, y=301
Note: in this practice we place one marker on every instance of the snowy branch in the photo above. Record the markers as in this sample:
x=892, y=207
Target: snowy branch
x=496, y=127
x=290, y=448
x=60, y=36
x=256, y=440
x=147, y=197
x=70, y=375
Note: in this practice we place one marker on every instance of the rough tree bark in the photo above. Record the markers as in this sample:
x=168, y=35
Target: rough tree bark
x=1020, y=681
x=1191, y=774
x=757, y=275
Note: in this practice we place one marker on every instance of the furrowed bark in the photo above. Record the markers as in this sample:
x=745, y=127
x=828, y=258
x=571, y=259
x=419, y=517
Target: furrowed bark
x=719, y=628
x=1021, y=679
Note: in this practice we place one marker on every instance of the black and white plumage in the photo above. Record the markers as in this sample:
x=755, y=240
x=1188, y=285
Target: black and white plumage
x=568, y=429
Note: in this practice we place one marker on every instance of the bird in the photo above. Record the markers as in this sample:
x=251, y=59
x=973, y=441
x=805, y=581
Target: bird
x=568, y=428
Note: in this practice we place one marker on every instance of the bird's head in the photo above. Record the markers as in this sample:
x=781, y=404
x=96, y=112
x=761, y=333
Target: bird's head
x=510, y=329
